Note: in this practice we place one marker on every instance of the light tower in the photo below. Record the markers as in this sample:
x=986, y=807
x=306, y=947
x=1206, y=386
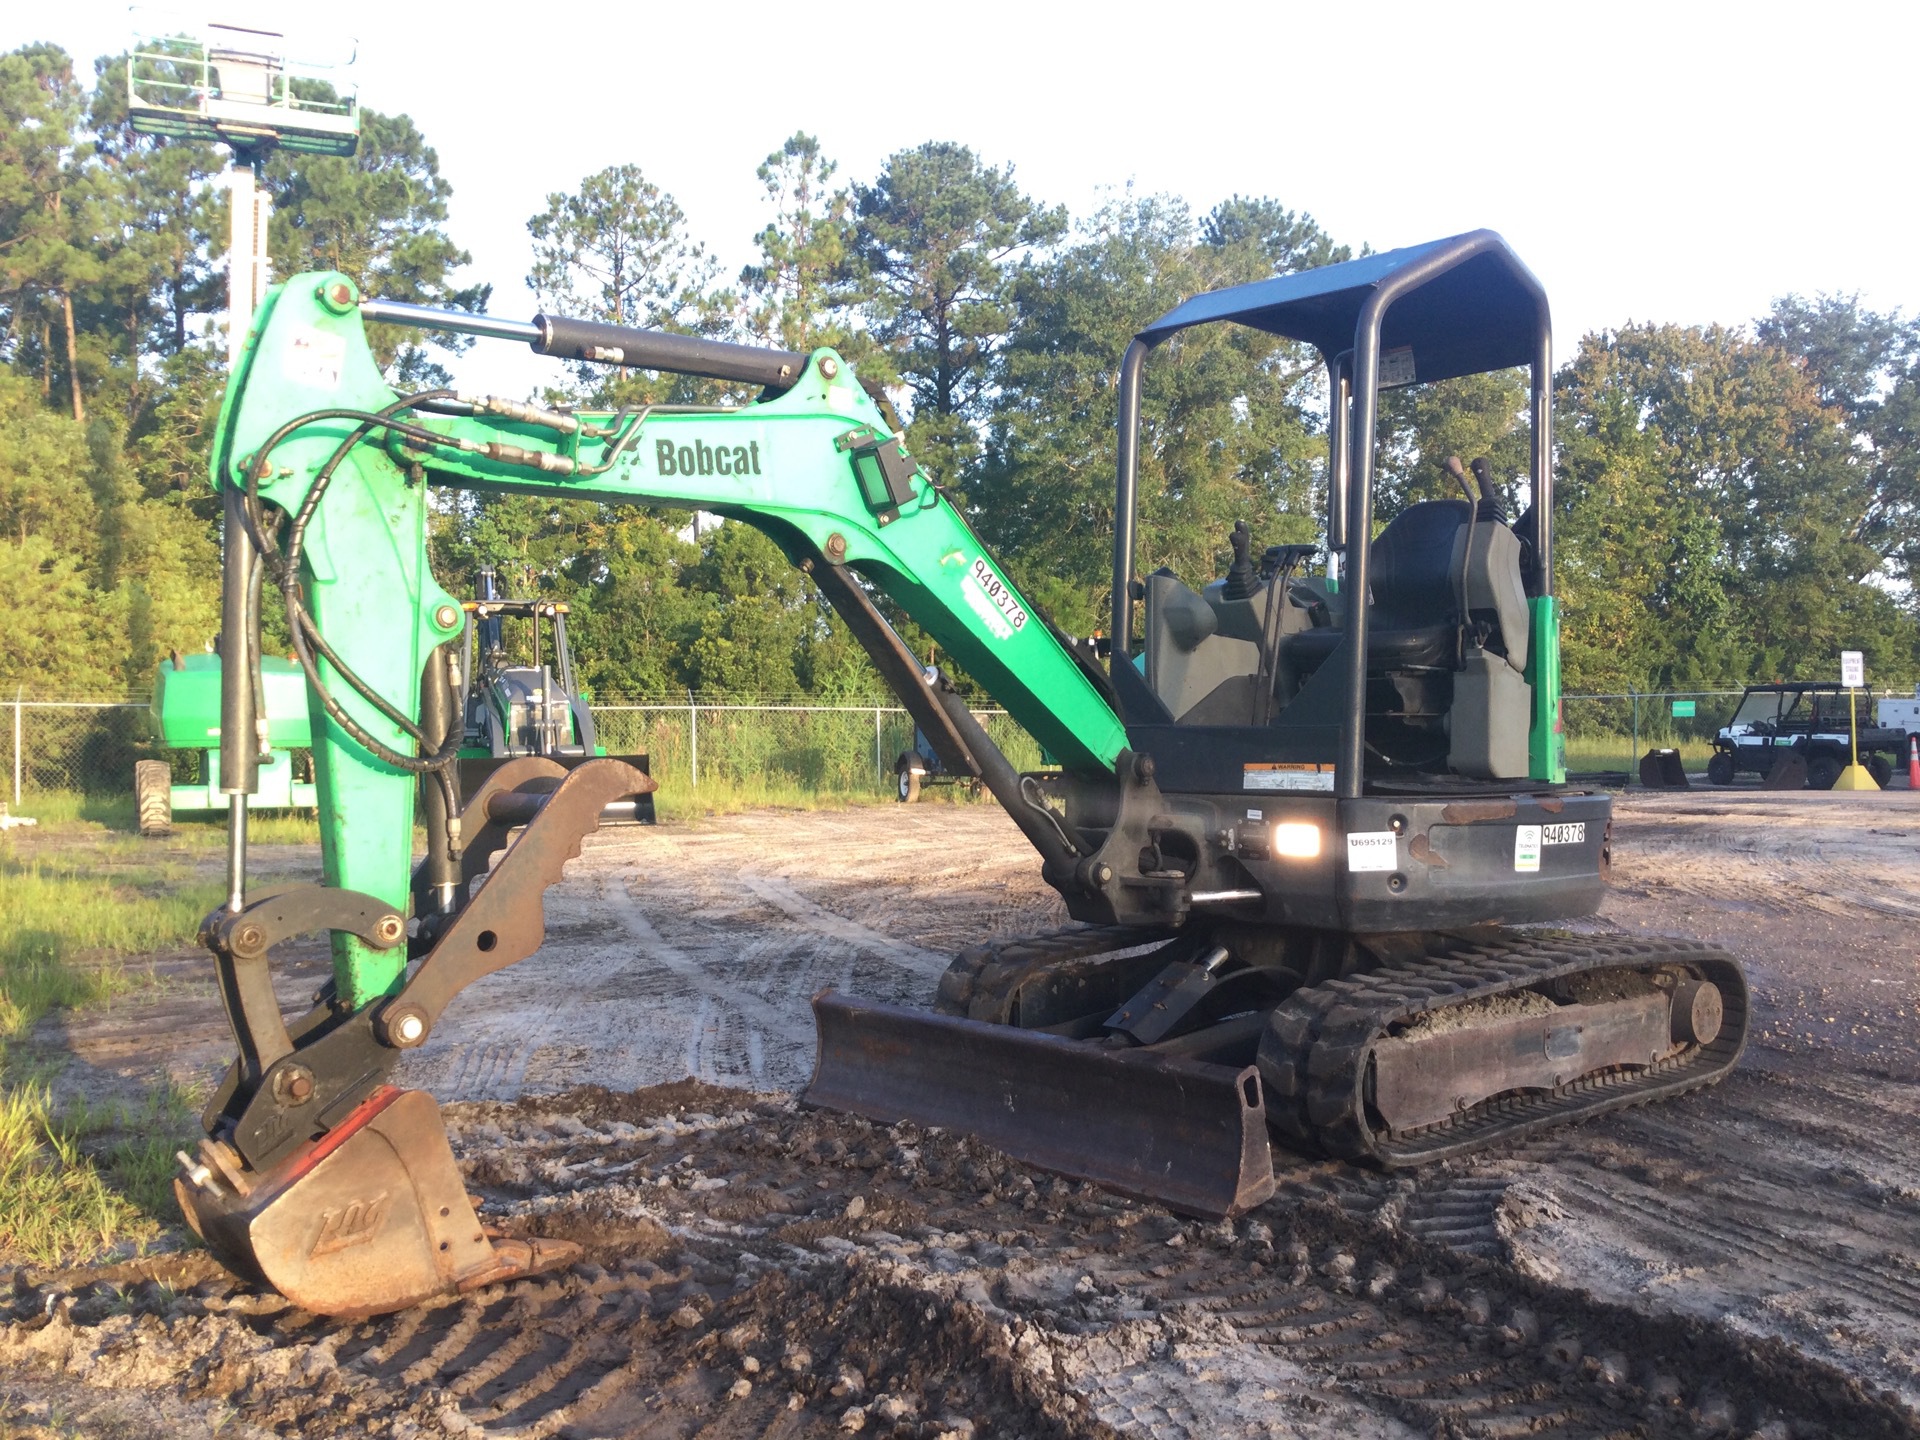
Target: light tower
x=235, y=85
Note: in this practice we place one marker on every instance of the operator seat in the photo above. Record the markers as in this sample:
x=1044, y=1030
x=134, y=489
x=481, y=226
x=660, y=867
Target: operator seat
x=1449, y=626
x=1413, y=622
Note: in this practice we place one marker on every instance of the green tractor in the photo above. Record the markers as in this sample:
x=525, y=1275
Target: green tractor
x=513, y=708
x=186, y=717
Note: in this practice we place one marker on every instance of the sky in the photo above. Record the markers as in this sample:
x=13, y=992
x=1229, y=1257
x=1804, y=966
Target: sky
x=1684, y=162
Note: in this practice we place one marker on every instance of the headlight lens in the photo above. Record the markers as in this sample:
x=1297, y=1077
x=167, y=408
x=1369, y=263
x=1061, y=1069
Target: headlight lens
x=1296, y=840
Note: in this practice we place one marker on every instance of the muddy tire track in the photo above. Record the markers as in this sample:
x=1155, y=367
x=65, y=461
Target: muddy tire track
x=758, y=1270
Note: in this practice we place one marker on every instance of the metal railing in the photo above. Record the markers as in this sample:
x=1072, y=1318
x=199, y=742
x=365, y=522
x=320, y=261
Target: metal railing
x=226, y=87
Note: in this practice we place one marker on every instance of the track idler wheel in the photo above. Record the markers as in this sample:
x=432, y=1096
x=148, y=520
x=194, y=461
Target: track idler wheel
x=372, y=1218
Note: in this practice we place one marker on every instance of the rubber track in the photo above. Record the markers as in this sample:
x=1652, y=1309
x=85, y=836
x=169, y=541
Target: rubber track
x=1314, y=1056
x=995, y=969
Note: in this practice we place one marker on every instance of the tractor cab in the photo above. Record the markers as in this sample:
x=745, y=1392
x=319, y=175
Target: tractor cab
x=518, y=708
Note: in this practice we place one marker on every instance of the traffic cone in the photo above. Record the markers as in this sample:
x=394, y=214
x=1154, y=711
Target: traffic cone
x=1913, y=762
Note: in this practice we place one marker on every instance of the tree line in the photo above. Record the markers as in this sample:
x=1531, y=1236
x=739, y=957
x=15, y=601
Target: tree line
x=1734, y=502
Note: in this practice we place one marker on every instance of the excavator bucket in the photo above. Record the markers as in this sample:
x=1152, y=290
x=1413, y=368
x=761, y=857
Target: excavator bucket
x=1788, y=772
x=373, y=1218
x=1662, y=770
x=1187, y=1134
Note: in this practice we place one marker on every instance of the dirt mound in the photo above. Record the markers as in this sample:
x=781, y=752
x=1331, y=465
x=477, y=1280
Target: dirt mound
x=756, y=1269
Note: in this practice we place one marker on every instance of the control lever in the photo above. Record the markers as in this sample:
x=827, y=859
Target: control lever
x=1279, y=563
x=1240, y=575
x=1490, y=507
x=1459, y=472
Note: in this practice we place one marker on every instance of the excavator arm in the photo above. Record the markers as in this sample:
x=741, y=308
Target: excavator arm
x=311, y=429
x=325, y=471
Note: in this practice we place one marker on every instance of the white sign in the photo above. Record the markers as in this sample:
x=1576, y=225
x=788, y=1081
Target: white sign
x=1526, y=849
x=315, y=359
x=1371, y=850
x=991, y=598
x=1853, y=669
x=1396, y=367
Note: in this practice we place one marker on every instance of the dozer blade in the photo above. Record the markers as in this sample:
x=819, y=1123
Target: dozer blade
x=373, y=1218
x=1189, y=1135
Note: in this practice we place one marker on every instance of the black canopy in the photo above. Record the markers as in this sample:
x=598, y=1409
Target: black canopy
x=1478, y=309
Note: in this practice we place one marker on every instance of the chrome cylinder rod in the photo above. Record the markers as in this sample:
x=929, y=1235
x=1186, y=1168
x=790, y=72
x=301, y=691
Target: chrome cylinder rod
x=463, y=322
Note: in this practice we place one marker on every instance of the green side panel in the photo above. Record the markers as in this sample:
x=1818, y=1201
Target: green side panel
x=186, y=703
x=277, y=789
x=367, y=583
x=1547, y=740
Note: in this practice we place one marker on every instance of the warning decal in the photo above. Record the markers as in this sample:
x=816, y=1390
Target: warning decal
x=1264, y=776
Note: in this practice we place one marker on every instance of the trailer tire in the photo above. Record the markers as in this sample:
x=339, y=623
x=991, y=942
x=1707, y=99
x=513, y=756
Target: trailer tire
x=153, y=797
x=1720, y=768
x=908, y=784
x=1822, y=771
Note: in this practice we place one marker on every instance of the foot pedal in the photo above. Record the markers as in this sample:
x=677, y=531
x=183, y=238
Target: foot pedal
x=372, y=1218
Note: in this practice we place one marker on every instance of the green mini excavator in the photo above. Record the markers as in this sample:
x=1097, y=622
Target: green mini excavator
x=1313, y=831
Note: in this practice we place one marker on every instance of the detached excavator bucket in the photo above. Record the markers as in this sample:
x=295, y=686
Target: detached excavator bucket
x=373, y=1218
x=1788, y=772
x=1662, y=770
x=1189, y=1135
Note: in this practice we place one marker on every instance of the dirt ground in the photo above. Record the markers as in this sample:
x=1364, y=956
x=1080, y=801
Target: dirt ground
x=1742, y=1262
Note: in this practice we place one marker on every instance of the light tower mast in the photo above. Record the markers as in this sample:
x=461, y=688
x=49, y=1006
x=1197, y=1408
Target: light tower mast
x=234, y=85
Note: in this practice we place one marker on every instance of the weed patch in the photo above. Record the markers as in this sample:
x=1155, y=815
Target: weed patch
x=78, y=1181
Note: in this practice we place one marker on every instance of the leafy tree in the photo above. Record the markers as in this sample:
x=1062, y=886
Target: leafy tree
x=935, y=237
x=1866, y=366
x=796, y=295
x=1471, y=416
x=158, y=229
x=618, y=250
x=41, y=453
x=1228, y=424
x=762, y=618
x=379, y=216
x=1710, y=533
x=41, y=261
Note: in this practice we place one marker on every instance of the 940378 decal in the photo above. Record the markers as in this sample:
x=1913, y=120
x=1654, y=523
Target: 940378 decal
x=993, y=600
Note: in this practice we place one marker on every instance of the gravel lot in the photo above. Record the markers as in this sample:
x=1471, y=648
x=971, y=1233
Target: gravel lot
x=1740, y=1262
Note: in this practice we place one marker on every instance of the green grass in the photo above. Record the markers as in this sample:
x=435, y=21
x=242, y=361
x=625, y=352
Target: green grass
x=77, y=1180
x=725, y=796
x=1586, y=753
x=72, y=811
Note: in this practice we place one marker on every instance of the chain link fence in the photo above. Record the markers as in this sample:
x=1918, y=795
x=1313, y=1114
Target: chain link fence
x=71, y=745
x=90, y=746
